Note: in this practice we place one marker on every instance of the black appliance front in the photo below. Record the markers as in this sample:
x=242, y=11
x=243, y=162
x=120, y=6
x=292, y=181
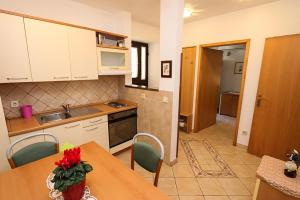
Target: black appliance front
x=122, y=127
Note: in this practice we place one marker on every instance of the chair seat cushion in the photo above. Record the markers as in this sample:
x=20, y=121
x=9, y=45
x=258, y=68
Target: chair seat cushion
x=33, y=152
x=146, y=156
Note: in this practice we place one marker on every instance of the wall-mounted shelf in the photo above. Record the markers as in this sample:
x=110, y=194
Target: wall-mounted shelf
x=111, y=47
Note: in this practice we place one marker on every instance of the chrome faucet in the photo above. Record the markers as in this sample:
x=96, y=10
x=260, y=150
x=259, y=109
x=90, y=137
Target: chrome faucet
x=66, y=108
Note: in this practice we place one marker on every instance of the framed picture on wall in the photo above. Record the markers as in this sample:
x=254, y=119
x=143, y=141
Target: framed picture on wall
x=238, y=68
x=166, y=69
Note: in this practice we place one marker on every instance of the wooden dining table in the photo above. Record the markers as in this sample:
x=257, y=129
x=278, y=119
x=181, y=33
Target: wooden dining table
x=109, y=180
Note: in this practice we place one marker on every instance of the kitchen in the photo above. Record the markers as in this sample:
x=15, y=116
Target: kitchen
x=83, y=70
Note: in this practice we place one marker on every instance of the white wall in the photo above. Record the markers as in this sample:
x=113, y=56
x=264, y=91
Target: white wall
x=149, y=34
x=171, y=22
x=229, y=80
x=257, y=23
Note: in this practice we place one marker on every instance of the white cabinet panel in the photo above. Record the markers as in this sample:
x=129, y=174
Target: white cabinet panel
x=14, y=62
x=112, y=61
x=67, y=133
x=48, y=50
x=97, y=133
x=83, y=54
x=28, y=141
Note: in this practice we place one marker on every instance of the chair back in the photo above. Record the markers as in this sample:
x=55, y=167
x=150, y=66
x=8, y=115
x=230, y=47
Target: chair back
x=145, y=155
x=33, y=151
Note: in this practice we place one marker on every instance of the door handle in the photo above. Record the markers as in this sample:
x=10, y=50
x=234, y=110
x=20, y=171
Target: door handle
x=259, y=98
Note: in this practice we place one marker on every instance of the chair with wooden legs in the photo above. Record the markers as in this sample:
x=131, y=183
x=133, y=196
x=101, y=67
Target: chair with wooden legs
x=33, y=151
x=146, y=156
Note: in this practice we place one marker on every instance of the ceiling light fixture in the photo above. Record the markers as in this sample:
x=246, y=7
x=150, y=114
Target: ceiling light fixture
x=187, y=12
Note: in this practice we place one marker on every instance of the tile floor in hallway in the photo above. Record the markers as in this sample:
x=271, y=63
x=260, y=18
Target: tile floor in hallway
x=180, y=181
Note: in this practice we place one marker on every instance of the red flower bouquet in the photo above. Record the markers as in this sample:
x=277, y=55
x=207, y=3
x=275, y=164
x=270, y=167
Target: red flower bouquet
x=70, y=174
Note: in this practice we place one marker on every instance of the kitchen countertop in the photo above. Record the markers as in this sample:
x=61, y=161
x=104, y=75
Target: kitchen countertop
x=271, y=169
x=17, y=126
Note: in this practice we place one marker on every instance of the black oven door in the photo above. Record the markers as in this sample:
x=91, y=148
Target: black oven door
x=122, y=130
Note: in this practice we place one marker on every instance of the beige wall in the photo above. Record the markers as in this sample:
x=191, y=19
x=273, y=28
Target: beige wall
x=257, y=23
x=154, y=115
x=45, y=96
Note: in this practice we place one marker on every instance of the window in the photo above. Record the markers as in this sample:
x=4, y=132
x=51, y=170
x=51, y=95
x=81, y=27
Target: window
x=139, y=62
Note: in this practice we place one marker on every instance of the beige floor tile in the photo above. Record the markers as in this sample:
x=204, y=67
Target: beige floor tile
x=183, y=170
x=233, y=186
x=249, y=183
x=167, y=186
x=210, y=186
x=244, y=170
x=149, y=179
x=166, y=171
x=188, y=186
x=182, y=159
x=216, y=197
x=191, y=197
x=240, y=197
x=172, y=197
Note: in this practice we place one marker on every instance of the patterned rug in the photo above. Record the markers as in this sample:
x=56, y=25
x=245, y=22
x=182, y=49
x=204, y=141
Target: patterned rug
x=223, y=168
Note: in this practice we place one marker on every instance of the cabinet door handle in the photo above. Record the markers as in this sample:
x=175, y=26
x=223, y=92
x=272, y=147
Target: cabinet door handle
x=25, y=78
x=72, y=126
x=60, y=77
x=92, y=129
x=81, y=77
x=99, y=120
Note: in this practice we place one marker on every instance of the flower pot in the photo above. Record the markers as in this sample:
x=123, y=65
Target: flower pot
x=74, y=192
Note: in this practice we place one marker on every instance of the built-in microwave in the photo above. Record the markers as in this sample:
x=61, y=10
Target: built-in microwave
x=113, y=61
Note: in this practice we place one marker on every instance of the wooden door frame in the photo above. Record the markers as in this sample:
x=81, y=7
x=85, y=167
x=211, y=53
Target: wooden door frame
x=245, y=42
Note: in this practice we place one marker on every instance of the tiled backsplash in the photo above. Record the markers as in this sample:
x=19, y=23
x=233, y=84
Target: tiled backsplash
x=51, y=95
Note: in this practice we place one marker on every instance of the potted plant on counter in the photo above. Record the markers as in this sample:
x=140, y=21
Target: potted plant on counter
x=70, y=175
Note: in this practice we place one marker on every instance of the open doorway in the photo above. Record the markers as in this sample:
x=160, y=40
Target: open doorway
x=219, y=92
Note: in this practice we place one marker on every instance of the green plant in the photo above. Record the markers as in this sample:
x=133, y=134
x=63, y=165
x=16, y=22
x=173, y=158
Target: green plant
x=70, y=170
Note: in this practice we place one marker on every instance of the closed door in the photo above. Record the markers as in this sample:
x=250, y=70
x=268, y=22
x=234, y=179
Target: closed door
x=210, y=75
x=187, y=80
x=14, y=59
x=48, y=50
x=275, y=127
x=83, y=54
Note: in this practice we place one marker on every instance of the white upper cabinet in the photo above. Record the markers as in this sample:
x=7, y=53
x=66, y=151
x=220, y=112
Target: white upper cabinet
x=14, y=62
x=83, y=54
x=48, y=50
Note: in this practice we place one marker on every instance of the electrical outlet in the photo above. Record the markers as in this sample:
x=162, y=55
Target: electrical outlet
x=14, y=104
x=244, y=133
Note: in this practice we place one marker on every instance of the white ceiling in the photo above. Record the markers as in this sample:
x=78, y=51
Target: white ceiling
x=147, y=11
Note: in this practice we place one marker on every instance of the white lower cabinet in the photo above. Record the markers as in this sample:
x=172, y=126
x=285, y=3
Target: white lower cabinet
x=96, y=129
x=97, y=133
x=67, y=133
x=76, y=133
x=26, y=142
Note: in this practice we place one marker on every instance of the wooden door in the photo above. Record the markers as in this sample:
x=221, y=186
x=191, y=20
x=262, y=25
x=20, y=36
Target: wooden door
x=83, y=54
x=210, y=75
x=276, y=121
x=48, y=50
x=14, y=59
x=187, y=80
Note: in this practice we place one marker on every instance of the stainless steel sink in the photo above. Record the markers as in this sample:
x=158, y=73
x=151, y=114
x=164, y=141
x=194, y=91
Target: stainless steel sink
x=75, y=112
